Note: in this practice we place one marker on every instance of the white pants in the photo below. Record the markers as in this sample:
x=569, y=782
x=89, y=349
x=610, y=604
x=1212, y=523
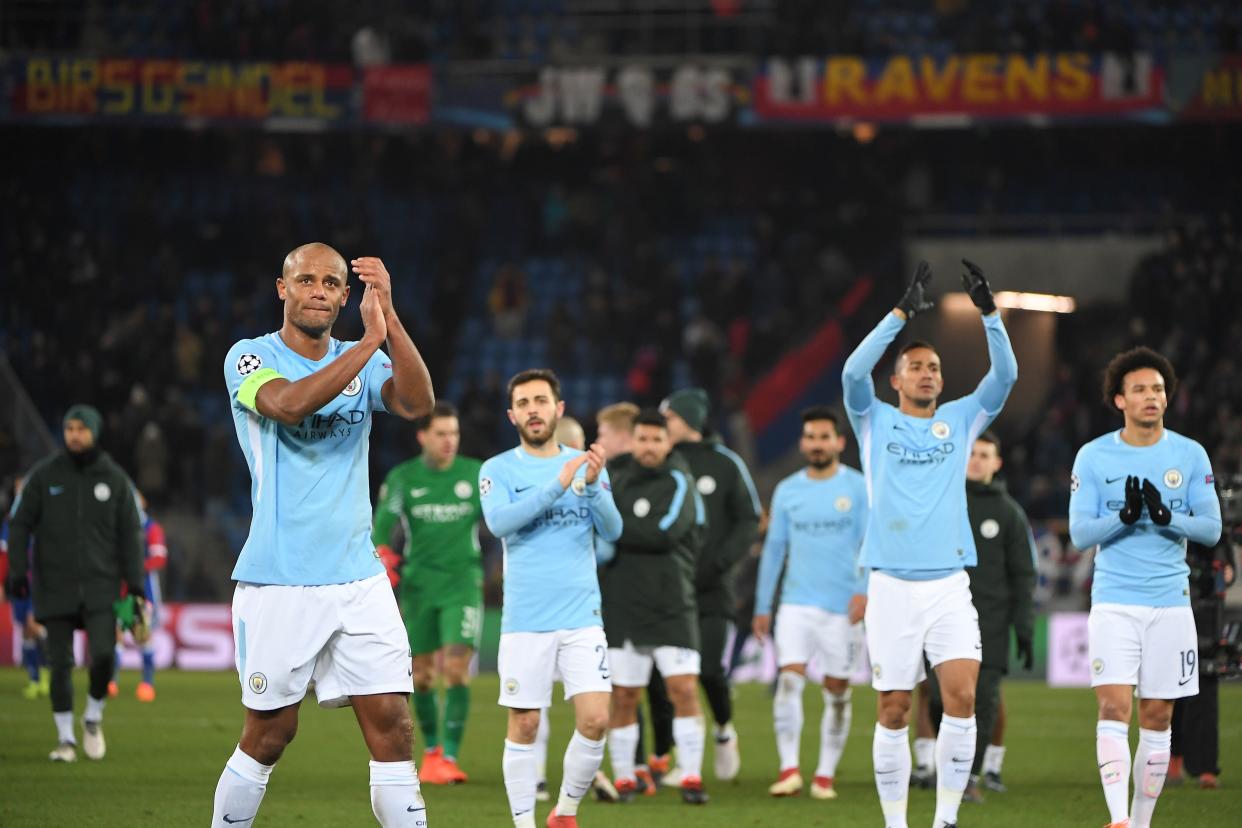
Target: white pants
x=1155, y=649
x=631, y=665
x=907, y=618
x=803, y=633
x=528, y=662
x=345, y=639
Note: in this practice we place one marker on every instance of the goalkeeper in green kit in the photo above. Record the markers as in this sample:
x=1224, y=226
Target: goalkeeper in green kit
x=434, y=498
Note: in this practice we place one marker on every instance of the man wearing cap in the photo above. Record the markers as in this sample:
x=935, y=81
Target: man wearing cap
x=79, y=506
x=732, y=525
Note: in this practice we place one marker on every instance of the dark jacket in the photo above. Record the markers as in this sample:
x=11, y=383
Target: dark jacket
x=1002, y=584
x=732, y=520
x=87, y=534
x=648, y=586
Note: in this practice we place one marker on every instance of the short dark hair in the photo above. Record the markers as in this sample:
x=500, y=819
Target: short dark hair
x=989, y=436
x=910, y=346
x=442, y=408
x=532, y=374
x=821, y=412
x=651, y=417
x=1133, y=360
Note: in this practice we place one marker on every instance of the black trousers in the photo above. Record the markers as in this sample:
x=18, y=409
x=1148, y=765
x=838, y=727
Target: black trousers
x=100, y=626
x=1196, y=728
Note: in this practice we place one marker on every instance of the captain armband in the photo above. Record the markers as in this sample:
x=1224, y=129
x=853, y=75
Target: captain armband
x=248, y=393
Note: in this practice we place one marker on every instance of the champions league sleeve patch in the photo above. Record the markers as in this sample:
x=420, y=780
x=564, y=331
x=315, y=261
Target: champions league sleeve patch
x=248, y=363
x=485, y=486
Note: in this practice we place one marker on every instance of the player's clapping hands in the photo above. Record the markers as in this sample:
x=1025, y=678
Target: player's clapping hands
x=595, y=462
x=373, y=315
x=375, y=276
x=976, y=285
x=914, y=301
x=1160, y=514
x=1133, y=508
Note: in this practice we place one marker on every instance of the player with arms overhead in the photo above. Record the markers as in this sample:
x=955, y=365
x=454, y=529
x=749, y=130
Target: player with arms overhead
x=918, y=539
x=313, y=602
x=1140, y=493
x=546, y=502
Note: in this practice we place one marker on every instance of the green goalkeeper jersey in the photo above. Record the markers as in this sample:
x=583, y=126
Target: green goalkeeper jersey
x=439, y=512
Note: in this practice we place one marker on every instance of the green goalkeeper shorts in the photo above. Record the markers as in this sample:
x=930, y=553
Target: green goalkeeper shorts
x=434, y=623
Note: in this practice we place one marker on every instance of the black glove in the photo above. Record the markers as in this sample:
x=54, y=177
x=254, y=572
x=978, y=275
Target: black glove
x=137, y=591
x=17, y=587
x=1133, y=510
x=914, y=301
x=977, y=286
x=1160, y=514
x=1026, y=652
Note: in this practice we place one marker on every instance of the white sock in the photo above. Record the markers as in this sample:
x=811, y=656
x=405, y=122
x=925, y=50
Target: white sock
x=240, y=789
x=519, y=771
x=787, y=717
x=924, y=753
x=396, y=799
x=64, y=727
x=1112, y=753
x=689, y=733
x=993, y=758
x=890, y=753
x=94, y=709
x=834, y=729
x=582, y=759
x=1151, y=766
x=622, y=743
x=541, y=744
x=955, y=753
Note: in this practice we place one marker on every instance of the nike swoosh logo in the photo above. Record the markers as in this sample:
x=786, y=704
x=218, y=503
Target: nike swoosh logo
x=519, y=490
x=1184, y=682
x=1109, y=762
x=1112, y=479
x=1161, y=764
x=412, y=810
x=418, y=492
x=233, y=821
x=882, y=773
x=55, y=490
x=961, y=761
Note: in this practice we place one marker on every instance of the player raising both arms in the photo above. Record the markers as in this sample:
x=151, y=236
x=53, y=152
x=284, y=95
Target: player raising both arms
x=1140, y=493
x=918, y=539
x=313, y=602
x=546, y=502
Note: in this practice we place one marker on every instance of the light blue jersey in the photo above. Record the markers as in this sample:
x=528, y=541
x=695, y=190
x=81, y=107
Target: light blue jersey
x=819, y=525
x=915, y=467
x=1142, y=564
x=309, y=487
x=548, y=535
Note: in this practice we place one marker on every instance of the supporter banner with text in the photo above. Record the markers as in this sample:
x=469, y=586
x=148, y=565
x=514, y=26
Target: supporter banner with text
x=1206, y=87
x=192, y=92
x=907, y=87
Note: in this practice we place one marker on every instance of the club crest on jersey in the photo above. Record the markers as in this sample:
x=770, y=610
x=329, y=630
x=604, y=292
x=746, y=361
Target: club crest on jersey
x=258, y=682
x=843, y=504
x=462, y=489
x=351, y=390
x=485, y=486
x=1173, y=479
x=248, y=364
x=706, y=484
x=875, y=670
x=642, y=507
x=1097, y=666
x=578, y=486
x=989, y=528
x=102, y=492
x=511, y=686
x=940, y=430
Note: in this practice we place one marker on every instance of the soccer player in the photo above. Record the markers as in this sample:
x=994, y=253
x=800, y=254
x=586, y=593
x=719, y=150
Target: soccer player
x=1002, y=588
x=34, y=634
x=155, y=558
x=918, y=539
x=435, y=498
x=815, y=532
x=732, y=526
x=313, y=603
x=546, y=503
x=649, y=602
x=1140, y=493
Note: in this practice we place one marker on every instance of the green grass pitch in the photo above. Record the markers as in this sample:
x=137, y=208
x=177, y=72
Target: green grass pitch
x=163, y=761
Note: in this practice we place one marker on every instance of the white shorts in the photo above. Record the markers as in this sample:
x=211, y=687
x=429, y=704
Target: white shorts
x=907, y=618
x=1155, y=649
x=344, y=639
x=803, y=633
x=631, y=665
x=528, y=661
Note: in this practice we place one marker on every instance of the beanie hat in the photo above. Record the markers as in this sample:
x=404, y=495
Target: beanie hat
x=691, y=404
